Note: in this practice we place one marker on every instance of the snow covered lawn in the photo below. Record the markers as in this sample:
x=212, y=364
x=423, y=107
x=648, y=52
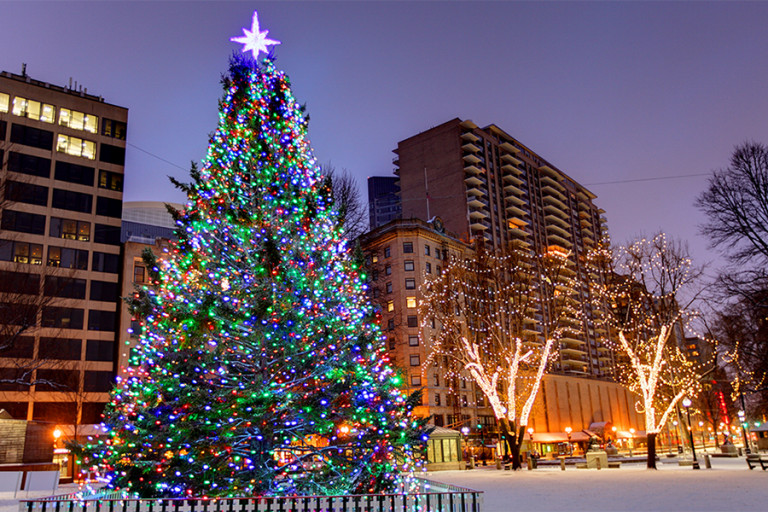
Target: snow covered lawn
x=728, y=486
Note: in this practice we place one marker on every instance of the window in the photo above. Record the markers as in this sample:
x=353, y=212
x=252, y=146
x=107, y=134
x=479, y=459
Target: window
x=67, y=258
x=112, y=128
x=63, y=318
x=104, y=234
x=390, y=305
x=28, y=164
x=391, y=343
x=464, y=402
x=135, y=329
x=389, y=287
x=104, y=291
x=407, y=247
x=78, y=120
x=415, y=380
x=413, y=341
x=73, y=201
x=428, y=268
x=111, y=180
x=112, y=154
x=426, y=250
x=438, y=418
x=387, y=252
x=23, y=347
x=391, y=324
x=410, y=283
x=19, y=282
x=99, y=350
x=70, y=229
x=413, y=321
x=28, y=136
x=27, y=193
x=439, y=270
x=376, y=293
x=21, y=252
x=375, y=275
x=415, y=360
x=374, y=258
x=437, y=253
x=388, y=270
x=104, y=262
x=139, y=273
x=410, y=302
x=408, y=265
x=109, y=207
x=436, y=380
x=97, y=381
x=73, y=173
x=65, y=287
x=437, y=402
x=23, y=222
x=5, y=101
x=65, y=349
x=99, y=320
x=32, y=109
x=3, y=128
x=76, y=146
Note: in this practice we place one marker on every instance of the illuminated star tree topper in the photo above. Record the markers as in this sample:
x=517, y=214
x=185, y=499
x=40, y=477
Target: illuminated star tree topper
x=255, y=40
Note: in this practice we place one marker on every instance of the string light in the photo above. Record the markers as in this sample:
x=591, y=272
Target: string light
x=260, y=369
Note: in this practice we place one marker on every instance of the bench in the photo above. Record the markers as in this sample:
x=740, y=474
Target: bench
x=755, y=459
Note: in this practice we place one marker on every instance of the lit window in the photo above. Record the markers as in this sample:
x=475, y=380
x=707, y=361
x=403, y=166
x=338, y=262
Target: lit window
x=78, y=120
x=32, y=109
x=76, y=147
x=5, y=101
x=139, y=273
x=410, y=302
x=375, y=258
x=390, y=305
x=111, y=180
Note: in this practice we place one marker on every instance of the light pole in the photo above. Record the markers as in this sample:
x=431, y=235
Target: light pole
x=703, y=442
x=568, y=431
x=743, y=420
x=631, y=440
x=687, y=404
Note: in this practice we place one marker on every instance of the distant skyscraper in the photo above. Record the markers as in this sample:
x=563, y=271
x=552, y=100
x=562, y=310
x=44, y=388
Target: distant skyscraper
x=383, y=200
x=484, y=184
x=62, y=157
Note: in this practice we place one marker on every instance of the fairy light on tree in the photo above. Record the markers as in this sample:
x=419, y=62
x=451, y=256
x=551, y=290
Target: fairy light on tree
x=645, y=296
x=499, y=318
x=260, y=368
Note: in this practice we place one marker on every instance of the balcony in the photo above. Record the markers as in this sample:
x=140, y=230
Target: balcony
x=547, y=180
x=555, y=201
x=549, y=190
x=516, y=200
x=471, y=158
x=471, y=147
x=469, y=125
x=510, y=178
x=470, y=137
x=474, y=181
x=512, y=189
x=515, y=211
x=476, y=215
x=472, y=169
x=508, y=146
x=557, y=230
x=478, y=226
x=475, y=201
x=509, y=159
x=517, y=231
x=551, y=209
x=548, y=171
x=557, y=239
x=556, y=220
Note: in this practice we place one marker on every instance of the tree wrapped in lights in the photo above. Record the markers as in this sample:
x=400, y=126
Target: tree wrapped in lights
x=260, y=369
x=643, y=296
x=499, y=320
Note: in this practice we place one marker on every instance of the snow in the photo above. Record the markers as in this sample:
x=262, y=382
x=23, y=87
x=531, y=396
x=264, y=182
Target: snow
x=728, y=486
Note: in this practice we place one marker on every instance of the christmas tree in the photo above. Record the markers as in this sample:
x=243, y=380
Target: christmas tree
x=260, y=369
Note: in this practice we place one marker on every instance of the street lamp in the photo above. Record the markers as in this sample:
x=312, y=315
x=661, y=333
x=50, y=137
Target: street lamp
x=631, y=440
x=743, y=421
x=701, y=429
x=568, y=431
x=687, y=404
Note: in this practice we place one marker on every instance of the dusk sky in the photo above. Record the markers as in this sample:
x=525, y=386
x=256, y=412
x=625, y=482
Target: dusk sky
x=613, y=94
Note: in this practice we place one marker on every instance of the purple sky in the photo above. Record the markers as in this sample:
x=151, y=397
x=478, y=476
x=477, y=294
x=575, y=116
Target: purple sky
x=605, y=91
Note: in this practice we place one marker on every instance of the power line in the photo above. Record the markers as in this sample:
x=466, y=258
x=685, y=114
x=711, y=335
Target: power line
x=155, y=156
x=658, y=178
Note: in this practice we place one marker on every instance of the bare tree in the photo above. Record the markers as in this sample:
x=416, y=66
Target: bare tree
x=644, y=285
x=500, y=317
x=345, y=195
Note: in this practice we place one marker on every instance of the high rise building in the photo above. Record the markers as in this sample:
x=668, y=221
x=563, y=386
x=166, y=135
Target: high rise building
x=62, y=153
x=383, y=200
x=485, y=184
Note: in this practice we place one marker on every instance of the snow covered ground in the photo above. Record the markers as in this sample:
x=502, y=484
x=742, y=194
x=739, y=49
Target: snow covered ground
x=728, y=486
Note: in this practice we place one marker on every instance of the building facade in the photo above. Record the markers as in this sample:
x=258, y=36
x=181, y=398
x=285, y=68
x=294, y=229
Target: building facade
x=62, y=155
x=383, y=200
x=486, y=185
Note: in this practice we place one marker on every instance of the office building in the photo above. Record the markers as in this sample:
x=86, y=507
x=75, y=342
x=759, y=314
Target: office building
x=62, y=152
x=383, y=200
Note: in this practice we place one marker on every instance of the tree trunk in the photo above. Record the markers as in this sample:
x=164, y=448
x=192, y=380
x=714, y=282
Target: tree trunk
x=651, y=451
x=516, y=445
x=507, y=432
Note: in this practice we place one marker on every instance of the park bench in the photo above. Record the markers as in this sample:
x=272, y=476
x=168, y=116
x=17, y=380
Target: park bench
x=755, y=459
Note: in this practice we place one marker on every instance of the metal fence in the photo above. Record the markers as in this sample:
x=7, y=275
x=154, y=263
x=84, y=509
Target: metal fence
x=428, y=497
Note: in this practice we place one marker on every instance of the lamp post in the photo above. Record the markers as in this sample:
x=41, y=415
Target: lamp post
x=568, y=431
x=701, y=429
x=687, y=404
x=631, y=440
x=743, y=421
